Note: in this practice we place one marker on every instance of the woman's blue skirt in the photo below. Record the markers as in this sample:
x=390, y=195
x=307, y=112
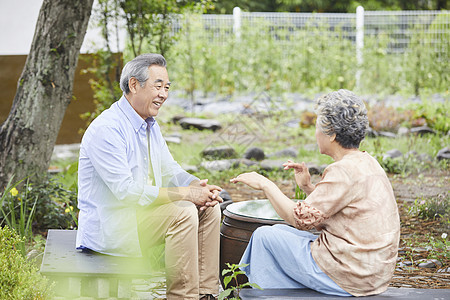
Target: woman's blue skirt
x=279, y=256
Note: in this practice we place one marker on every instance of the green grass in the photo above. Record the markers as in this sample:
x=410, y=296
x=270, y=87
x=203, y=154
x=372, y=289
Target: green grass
x=429, y=144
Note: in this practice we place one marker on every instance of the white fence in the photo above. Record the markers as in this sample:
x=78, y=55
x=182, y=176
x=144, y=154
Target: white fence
x=392, y=31
x=400, y=27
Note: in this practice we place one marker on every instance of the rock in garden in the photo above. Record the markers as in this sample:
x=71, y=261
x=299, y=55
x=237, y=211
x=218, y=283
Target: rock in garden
x=66, y=152
x=443, y=154
x=411, y=154
x=315, y=169
x=244, y=161
x=295, y=123
x=394, y=153
x=222, y=107
x=387, y=134
x=370, y=132
x=201, y=124
x=404, y=264
x=424, y=157
x=189, y=168
x=177, y=118
x=254, y=153
x=422, y=130
x=174, y=139
x=271, y=165
x=288, y=152
x=430, y=263
x=310, y=147
x=402, y=131
x=176, y=134
x=217, y=165
x=219, y=152
x=401, y=251
x=444, y=270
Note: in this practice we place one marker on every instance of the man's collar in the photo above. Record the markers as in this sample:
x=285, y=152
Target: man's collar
x=150, y=121
x=132, y=116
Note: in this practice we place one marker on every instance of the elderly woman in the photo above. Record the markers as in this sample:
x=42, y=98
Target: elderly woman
x=353, y=206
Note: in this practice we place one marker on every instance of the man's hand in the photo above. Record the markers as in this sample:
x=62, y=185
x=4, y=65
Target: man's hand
x=214, y=191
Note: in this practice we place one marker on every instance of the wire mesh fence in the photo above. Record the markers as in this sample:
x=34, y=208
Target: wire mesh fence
x=431, y=28
x=377, y=51
x=398, y=27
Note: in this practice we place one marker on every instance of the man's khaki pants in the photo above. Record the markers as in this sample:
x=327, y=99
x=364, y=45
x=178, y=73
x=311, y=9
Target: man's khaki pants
x=191, y=240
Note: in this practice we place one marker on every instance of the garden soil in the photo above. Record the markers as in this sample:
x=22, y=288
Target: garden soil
x=415, y=246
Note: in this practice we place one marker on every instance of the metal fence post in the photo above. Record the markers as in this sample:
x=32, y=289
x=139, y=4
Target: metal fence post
x=237, y=22
x=359, y=43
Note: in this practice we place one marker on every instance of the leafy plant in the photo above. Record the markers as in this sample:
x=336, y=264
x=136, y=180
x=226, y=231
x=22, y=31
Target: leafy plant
x=385, y=118
x=19, y=278
x=433, y=113
x=20, y=222
x=105, y=71
x=149, y=25
x=410, y=251
x=42, y=204
x=233, y=290
x=431, y=208
x=439, y=247
x=299, y=193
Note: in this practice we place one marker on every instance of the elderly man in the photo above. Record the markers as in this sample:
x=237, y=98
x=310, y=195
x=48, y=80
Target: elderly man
x=133, y=195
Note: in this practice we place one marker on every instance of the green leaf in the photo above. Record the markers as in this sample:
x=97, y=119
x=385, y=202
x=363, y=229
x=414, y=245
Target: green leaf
x=255, y=286
x=225, y=294
x=227, y=280
x=225, y=271
x=229, y=265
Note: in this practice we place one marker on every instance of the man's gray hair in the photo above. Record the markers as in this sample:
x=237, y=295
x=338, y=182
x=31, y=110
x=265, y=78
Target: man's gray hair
x=138, y=68
x=344, y=114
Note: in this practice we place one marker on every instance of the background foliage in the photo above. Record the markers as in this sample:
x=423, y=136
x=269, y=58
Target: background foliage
x=226, y=7
x=316, y=58
x=19, y=279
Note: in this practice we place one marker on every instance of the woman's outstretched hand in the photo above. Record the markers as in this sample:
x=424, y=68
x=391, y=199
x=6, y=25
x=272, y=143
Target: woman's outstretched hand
x=301, y=173
x=252, y=179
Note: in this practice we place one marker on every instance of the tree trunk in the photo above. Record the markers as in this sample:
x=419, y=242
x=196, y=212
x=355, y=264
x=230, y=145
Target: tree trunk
x=44, y=90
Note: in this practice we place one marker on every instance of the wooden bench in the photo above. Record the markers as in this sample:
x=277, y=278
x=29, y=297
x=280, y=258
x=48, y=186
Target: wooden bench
x=88, y=274
x=391, y=293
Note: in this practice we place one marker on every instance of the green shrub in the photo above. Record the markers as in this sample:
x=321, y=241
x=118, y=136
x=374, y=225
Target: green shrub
x=54, y=205
x=434, y=113
x=19, y=278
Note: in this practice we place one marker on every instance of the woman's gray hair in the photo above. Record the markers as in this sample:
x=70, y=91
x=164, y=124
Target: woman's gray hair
x=138, y=68
x=344, y=114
